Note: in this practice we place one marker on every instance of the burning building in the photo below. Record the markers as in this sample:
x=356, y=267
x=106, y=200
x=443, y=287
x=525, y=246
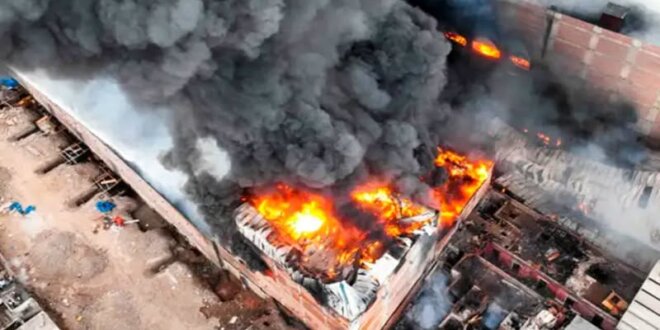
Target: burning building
x=325, y=111
x=325, y=122
x=586, y=196
x=353, y=259
x=307, y=236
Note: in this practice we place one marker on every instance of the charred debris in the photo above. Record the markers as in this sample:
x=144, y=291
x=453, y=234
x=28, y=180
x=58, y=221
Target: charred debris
x=511, y=267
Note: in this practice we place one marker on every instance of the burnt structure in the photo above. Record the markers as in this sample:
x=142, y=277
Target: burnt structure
x=18, y=310
x=349, y=297
x=510, y=267
x=587, y=197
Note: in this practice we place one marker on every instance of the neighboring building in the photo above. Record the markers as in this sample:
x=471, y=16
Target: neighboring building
x=507, y=257
x=619, y=66
x=18, y=310
x=644, y=311
x=579, y=323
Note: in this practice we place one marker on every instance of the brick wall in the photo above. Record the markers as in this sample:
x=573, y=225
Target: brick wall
x=618, y=66
x=560, y=293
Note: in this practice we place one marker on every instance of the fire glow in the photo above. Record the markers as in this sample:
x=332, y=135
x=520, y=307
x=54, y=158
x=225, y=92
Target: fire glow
x=310, y=220
x=457, y=38
x=520, y=62
x=546, y=139
x=379, y=200
x=465, y=178
x=486, y=48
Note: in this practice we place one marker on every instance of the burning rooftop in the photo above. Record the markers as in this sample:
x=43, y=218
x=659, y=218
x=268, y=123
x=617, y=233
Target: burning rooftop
x=312, y=237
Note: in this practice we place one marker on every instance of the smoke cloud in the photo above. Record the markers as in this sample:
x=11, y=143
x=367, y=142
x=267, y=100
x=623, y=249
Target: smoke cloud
x=432, y=304
x=306, y=92
x=643, y=21
x=320, y=93
x=586, y=121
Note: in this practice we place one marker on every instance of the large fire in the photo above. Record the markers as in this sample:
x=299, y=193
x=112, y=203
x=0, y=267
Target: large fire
x=379, y=200
x=465, y=178
x=301, y=215
x=486, y=48
x=310, y=221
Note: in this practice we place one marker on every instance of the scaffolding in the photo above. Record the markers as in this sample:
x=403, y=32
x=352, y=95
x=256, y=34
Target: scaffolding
x=74, y=153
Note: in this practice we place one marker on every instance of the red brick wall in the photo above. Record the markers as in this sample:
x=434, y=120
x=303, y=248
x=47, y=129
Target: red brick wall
x=524, y=20
x=617, y=65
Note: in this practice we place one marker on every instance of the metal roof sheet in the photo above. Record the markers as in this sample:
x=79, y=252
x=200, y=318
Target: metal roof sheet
x=644, y=311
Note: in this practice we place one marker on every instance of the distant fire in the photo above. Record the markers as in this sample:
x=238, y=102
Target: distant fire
x=520, y=62
x=486, y=48
x=585, y=206
x=310, y=220
x=457, y=38
x=546, y=139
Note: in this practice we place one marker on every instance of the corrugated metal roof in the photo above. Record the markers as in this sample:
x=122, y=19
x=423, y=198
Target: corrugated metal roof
x=644, y=311
x=579, y=323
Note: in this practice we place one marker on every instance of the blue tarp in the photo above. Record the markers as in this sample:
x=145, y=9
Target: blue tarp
x=17, y=207
x=105, y=206
x=8, y=82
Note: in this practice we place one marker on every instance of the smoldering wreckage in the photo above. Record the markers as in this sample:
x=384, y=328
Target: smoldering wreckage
x=368, y=162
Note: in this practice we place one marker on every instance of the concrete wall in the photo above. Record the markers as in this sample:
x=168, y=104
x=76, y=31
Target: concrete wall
x=618, y=66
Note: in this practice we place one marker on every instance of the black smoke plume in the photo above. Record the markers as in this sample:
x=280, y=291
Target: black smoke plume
x=307, y=92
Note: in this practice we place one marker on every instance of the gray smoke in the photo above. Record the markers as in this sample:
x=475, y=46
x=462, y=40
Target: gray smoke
x=493, y=316
x=308, y=92
x=643, y=22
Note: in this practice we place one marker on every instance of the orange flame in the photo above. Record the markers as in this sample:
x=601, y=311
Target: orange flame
x=457, y=38
x=548, y=140
x=465, y=178
x=301, y=215
x=379, y=200
x=585, y=207
x=486, y=48
x=310, y=221
x=520, y=62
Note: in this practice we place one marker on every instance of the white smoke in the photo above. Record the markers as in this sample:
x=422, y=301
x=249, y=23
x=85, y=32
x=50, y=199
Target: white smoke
x=648, y=10
x=139, y=137
x=432, y=304
x=493, y=316
x=212, y=159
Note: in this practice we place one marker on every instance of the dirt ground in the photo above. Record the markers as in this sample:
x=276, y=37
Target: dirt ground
x=90, y=278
